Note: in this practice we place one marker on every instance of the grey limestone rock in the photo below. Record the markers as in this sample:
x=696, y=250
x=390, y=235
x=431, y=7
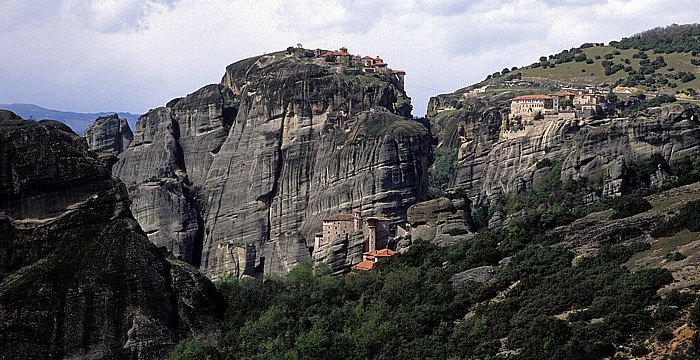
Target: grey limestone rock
x=494, y=161
x=480, y=274
x=443, y=221
x=78, y=277
x=109, y=133
x=262, y=157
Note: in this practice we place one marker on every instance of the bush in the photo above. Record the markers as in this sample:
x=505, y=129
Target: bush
x=674, y=256
x=687, y=77
x=191, y=349
x=629, y=205
x=694, y=314
x=687, y=218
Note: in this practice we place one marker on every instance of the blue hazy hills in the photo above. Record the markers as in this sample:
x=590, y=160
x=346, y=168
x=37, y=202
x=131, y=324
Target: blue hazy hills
x=77, y=121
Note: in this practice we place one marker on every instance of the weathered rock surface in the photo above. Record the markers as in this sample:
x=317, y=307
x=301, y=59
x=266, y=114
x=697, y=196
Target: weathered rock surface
x=109, y=133
x=442, y=221
x=480, y=274
x=261, y=158
x=493, y=161
x=78, y=277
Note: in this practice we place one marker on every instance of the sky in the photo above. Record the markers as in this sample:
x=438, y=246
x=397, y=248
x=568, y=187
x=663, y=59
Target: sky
x=135, y=55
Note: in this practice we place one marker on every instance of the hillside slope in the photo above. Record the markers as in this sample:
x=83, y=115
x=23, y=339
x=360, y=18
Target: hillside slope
x=664, y=60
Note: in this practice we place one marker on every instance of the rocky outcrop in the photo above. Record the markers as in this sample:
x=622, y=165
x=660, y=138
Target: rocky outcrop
x=480, y=274
x=167, y=165
x=497, y=158
x=78, y=277
x=442, y=221
x=109, y=133
x=261, y=158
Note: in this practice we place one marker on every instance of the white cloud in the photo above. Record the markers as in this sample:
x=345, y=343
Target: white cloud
x=91, y=55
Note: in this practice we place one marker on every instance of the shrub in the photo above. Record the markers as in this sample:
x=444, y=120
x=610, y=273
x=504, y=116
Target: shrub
x=674, y=256
x=687, y=77
x=629, y=205
x=694, y=314
x=687, y=218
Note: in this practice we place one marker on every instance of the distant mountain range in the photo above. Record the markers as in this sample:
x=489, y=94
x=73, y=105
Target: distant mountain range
x=77, y=121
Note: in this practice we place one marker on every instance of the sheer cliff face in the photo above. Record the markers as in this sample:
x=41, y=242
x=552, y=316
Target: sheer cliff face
x=109, y=133
x=494, y=161
x=78, y=278
x=280, y=144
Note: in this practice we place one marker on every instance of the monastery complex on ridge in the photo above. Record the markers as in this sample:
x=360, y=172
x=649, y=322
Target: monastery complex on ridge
x=355, y=64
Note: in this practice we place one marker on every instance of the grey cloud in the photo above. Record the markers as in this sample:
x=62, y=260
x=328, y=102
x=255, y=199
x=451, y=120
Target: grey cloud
x=115, y=16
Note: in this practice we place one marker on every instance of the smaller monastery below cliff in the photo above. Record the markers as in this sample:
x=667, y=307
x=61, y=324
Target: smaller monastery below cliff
x=373, y=233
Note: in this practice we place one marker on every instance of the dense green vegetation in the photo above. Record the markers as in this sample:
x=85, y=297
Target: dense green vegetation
x=543, y=304
x=687, y=218
x=643, y=103
x=674, y=38
x=443, y=170
x=407, y=308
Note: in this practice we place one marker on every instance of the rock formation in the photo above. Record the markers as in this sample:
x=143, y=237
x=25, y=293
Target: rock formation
x=78, y=277
x=494, y=160
x=236, y=177
x=442, y=221
x=109, y=133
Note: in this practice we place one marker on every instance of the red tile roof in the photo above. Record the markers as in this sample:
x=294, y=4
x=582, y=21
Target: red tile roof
x=340, y=217
x=365, y=265
x=337, y=53
x=380, y=253
x=398, y=71
x=367, y=57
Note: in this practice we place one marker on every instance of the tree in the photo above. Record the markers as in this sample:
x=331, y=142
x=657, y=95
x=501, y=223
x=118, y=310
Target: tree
x=330, y=58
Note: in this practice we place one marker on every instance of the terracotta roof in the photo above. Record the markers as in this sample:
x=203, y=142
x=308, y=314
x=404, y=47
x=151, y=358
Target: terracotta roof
x=398, y=71
x=379, y=63
x=380, y=253
x=337, y=53
x=533, y=97
x=367, y=57
x=340, y=217
x=365, y=265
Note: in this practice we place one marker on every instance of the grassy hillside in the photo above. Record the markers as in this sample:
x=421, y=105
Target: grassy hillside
x=655, y=61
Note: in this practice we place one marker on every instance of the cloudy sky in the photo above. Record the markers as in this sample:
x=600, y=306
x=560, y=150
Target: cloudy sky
x=133, y=55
